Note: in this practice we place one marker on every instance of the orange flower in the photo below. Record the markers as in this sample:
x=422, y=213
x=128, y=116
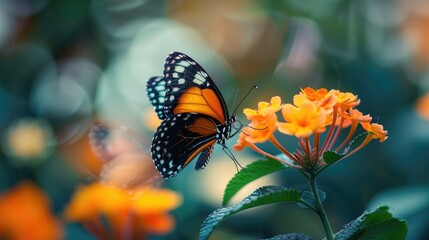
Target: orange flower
x=314, y=95
x=25, y=215
x=264, y=109
x=353, y=116
x=312, y=113
x=241, y=142
x=138, y=213
x=261, y=131
x=346, y=100
x=263, y=119
x=376, y=130
x=320, y=97
x=302, y=121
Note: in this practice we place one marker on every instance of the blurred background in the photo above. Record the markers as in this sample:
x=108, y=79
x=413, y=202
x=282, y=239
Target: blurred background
x=65, y=64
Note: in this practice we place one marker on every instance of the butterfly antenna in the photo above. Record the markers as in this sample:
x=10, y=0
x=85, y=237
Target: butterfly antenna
x=241, y=101
x=377, y=119
x=234, y=100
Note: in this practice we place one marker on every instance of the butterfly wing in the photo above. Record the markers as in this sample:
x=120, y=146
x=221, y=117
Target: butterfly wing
x=179, y=139
x=204, y=158
x=156, y=90
x=186, y=87
x=108, y=141
x=126, y=162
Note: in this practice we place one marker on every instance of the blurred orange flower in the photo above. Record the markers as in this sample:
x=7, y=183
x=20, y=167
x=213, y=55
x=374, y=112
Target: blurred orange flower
x=312, y=113
x=129, y=214
x=422, y=106
x=25, y=215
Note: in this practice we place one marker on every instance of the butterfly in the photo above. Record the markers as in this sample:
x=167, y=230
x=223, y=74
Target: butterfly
x=193, y=112
x=126, y=160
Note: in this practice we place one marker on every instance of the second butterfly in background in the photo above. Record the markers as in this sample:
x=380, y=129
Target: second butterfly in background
x=126, y=160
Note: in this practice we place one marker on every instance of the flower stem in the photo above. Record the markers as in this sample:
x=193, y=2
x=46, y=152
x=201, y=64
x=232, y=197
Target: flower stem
x=320, y=210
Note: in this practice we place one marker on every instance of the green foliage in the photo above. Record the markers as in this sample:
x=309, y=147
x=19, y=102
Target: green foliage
x=379, y=224
x=355, y=141
x=250, y=173
x=308, y=198
x=331, y=157
x=262, y=196
x=290, y=236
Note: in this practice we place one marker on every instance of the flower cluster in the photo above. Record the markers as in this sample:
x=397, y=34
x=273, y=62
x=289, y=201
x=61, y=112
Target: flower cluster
x=316, y=118
x=116, y=213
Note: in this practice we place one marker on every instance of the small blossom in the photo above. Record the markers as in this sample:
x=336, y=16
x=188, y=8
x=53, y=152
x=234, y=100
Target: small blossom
x=353, y=116
x=25, y=214
x=321, y=97
x=263, y=119
x=346, y=100
x=264, y=109
x=377, y=131
x=314, y=95
x=241, y=142
x=261, y=131
x=302, y=121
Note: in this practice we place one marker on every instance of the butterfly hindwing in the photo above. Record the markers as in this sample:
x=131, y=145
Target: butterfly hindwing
x=179, y=139
x=204, y=158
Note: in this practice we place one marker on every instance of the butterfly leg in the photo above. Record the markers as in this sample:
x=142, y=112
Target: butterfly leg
x=230, y=155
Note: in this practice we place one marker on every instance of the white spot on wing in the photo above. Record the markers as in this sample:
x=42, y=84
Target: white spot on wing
x=179, y=69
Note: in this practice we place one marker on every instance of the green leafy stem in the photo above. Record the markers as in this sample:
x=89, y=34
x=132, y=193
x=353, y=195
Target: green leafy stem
x=379, y=224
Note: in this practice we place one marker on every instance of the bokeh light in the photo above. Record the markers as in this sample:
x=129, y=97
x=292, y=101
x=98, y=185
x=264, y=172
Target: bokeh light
x=28, y=141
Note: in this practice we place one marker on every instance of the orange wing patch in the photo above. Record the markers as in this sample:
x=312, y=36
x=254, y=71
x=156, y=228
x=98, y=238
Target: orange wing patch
x=198, y=151
x=202, y=126
x=203, y=101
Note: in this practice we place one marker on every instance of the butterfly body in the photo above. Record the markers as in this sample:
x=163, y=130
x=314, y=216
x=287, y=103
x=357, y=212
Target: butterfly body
x=194, y=115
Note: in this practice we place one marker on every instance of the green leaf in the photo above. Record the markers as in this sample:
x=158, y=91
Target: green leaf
x=309, y=199
x=290, y=236
x=331, y=157
x=354, y=142
x=379, y=224
x=261, y=196
x=250, y=173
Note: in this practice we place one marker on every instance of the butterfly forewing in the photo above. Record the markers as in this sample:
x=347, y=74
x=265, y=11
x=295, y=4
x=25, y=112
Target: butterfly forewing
x=156, y=90
x=179, y=139
x=190, y=89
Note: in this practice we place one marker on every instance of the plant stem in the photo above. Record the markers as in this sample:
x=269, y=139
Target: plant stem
x=320, y=210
